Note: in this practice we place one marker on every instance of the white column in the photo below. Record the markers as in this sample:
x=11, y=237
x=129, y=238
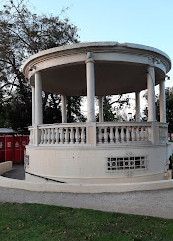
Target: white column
x=38, y=99
x=162, y=102
x=137, y=100
x=90, y=88
x=33, y=105
x=151, y=94
x=101, y=109
x=64, y=111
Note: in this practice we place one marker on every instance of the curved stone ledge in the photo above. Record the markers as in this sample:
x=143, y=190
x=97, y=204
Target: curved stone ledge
x=84, y=188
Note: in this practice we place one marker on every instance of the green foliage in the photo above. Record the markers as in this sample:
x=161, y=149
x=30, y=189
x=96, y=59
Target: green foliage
x=34, y=222
x=112, y=105
x=22, y=34
x=169, y=109
x=108, y=111
x=74, y=109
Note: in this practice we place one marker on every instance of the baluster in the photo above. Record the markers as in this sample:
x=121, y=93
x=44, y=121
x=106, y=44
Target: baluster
x=45, y=136
x=77, y=135
x=137, y=134
x=42, y=136
x=52, y=136
x=83, y=135
x=127, y=134
x=116, y=135
x=105, y=135
x=100, y=134
x=133, y=134
x=31, y=137
x=111, y=135
x=57, y=135
x=66, y=136
x=61, y=135
x=147, y=137
x=122, y=134
x=142, y=134
x=48, y=136
x=72, y=135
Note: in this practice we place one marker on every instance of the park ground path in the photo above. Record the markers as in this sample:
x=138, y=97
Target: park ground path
x=157, y=203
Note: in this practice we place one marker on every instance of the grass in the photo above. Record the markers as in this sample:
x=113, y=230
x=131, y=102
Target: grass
x=35, y=222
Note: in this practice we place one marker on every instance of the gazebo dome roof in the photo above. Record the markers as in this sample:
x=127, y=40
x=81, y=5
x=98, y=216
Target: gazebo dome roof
x=119, y=68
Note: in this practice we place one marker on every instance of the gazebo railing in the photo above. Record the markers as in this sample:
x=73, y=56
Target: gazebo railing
x=115, y=133
x=96, y=134
x=60, y=134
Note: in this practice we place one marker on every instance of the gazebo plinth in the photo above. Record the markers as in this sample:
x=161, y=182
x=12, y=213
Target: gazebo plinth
x=107, y=152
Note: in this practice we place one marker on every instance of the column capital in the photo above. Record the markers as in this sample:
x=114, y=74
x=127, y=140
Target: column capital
x=89, y=58
x=150, y=68
x=38, y=72
x=154, y=60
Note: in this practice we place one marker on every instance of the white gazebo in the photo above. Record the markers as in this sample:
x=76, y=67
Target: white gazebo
x=98, y=152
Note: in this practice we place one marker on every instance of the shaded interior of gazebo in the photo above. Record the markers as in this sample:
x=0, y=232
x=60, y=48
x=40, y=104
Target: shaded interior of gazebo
x=110, y=79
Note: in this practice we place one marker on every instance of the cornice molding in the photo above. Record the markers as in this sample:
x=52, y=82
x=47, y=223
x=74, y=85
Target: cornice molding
x=154, y=56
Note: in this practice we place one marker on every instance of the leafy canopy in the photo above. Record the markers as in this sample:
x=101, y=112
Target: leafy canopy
x=24, y=33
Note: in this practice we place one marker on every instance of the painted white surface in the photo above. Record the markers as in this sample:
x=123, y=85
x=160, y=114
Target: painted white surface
x=89, y=165
x=38, y=99
x=84, y=188
x=64, y=110
x=90, y=78
x=33, y=105
x=162, y=102
x=151, y=93
x=137, y=100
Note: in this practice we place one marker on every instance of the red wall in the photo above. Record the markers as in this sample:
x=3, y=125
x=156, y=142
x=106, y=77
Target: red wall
x=12, y=147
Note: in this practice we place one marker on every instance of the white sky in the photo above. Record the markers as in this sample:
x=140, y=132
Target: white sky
x=148, y=22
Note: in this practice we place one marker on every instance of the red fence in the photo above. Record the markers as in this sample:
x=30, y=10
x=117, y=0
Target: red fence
x=12, y=147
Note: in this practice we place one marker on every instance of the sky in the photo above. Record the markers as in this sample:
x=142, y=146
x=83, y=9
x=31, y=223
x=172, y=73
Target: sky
x=147, y=22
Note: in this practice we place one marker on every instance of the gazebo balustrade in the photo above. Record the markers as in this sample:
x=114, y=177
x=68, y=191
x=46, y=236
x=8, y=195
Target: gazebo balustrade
x=111, y=133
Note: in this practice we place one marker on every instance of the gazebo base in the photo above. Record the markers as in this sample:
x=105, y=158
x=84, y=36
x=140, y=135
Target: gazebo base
x=100, y=164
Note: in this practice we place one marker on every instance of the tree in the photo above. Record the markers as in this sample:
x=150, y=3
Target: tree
x=112, y=105
x=74, y=109
x=108, y=111
x=169, y=109
x=23, y=34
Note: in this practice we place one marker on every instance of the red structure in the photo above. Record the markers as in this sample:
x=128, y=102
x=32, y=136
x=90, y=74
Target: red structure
x=12, y=145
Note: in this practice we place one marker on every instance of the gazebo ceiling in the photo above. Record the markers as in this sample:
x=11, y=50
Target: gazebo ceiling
x=110, y=78
x=119, y=68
